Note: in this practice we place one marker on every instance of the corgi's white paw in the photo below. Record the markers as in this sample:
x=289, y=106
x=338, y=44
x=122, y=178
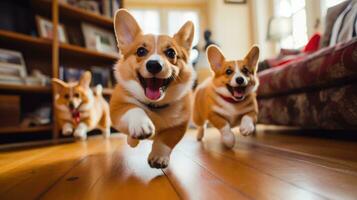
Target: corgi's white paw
x=159, y=156
x=141, y=128
x=67, y=129
x=81, y=132
x=247, y=126
x=158, y=161
x=227, y=137
x=139, y=124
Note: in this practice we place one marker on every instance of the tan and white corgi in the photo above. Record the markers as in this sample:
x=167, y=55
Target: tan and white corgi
x=79, y=109
x=228, y=98
x=152, y=97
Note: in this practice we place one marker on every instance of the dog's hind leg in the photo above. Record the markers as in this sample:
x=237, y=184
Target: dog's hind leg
x=201, y=131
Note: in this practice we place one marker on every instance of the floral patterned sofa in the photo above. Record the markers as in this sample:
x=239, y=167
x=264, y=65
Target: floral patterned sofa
x=319, y=91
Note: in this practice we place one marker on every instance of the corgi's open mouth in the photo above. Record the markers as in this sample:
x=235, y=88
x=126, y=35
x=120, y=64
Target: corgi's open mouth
x=154, y=87
x=237, y=92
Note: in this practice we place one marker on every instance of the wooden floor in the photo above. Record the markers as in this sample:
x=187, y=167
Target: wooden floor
x=273, y=164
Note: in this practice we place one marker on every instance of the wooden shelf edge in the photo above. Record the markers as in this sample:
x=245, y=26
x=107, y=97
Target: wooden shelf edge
x=24, y=38
x=18, y=129
x=25, y=88
x=85, y=51
x=92, y=17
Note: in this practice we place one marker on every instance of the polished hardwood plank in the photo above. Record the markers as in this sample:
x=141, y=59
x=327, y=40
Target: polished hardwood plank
x=194, y=181
x=315, y=179
x=129, y=176
x=273, y=164
x=325, y=146
x=35, y=177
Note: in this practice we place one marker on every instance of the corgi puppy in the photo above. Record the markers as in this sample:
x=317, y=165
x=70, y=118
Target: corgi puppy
x=228, y=98
x=152, y=97
x=79, y=109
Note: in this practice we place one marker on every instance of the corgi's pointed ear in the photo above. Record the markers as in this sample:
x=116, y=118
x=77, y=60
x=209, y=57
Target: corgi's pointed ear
x=215, y=57
x=59, y=85
x=184, y=36
x=252, y=58
x=126, y=28
x=85, y=79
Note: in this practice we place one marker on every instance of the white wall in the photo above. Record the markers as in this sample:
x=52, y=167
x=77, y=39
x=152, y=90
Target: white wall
x=230, y=26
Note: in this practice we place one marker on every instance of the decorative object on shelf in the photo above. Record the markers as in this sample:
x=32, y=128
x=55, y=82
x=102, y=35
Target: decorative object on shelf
x=45, y=29
x=69, y=74
x=99, y=39
x=40, y=116
x=12, y=67
x=37, y=78
x=101, y=75
x=235, y=1
x=91, y=6
x=9, y=110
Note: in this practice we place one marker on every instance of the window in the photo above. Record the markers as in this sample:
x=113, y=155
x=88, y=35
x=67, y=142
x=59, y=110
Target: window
x=152, y=21
x=296, y=10
x=177, y=18
x=149, y=20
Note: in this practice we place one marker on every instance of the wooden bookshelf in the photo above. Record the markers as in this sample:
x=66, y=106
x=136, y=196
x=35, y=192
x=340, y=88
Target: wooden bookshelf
x=7, y=130
x=54, y=53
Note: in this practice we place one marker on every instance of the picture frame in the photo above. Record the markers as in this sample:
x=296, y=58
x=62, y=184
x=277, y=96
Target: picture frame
x=45, y=29
x=12, y=63
x=235, y=1
x=99, y=39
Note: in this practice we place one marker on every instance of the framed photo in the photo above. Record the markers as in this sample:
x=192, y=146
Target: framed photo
x=12, y=63
x=45, y=29
x=235, y=1
x=99, y=39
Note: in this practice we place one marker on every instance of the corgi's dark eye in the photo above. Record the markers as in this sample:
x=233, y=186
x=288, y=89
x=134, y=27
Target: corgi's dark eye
x=229, y=71
x=245, y=71
x=76, y=95
x=141, y=52
x=66, y=96
x=170, y=53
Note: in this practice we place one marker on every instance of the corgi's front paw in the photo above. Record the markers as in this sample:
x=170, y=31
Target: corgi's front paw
x=158, y=161
x=247, y=126
x=81, y=132
x=228, y=139
x=141, y=128
x=67, y=129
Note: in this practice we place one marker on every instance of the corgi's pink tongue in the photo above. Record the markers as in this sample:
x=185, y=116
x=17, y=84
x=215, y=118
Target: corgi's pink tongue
x=238, y=93
x=152, y=90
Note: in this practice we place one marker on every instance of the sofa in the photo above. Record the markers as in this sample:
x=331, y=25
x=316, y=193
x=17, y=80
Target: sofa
x=319, y=91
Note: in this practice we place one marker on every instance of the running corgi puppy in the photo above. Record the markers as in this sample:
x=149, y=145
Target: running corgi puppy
x=228, y=98
x=79, y=110
x=152, y=97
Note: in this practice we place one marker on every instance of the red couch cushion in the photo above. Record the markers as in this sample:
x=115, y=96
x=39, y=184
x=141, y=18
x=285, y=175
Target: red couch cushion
x=325, y=67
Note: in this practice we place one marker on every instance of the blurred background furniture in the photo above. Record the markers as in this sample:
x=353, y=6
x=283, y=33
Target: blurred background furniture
x=314, y=88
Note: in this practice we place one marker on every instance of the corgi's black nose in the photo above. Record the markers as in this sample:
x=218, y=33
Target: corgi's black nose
x=71, y=105
x=153, y=66
x=240, y=80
